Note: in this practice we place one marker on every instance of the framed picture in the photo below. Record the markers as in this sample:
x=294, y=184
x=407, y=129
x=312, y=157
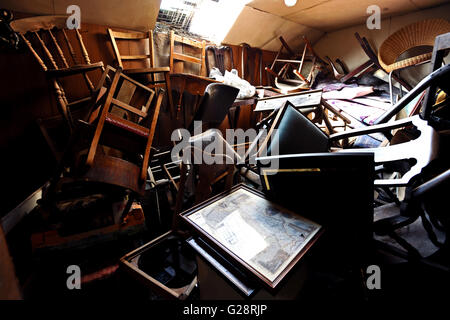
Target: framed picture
x=310, y=98
x=264, y=238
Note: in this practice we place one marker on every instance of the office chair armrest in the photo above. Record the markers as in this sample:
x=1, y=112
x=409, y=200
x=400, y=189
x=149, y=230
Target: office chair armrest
x=373, y=129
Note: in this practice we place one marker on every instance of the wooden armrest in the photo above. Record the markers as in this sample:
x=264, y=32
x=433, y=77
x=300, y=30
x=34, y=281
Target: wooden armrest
x=82, y=68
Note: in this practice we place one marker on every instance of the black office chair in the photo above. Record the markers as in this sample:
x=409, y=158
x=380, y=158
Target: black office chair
x=214, y=105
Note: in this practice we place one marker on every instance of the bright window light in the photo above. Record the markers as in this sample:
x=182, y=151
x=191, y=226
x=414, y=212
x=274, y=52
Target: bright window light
x=215, y=18
x=211, y=19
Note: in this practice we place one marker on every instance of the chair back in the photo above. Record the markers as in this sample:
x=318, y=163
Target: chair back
x=52, y=44
x=132, y=39
x=215, y=103
x=219, y=57
x=60, y=52
x=422, y=33
x=184, y=56
x=291, y=132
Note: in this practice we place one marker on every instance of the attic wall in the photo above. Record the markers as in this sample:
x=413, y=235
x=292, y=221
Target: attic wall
x=342, y=43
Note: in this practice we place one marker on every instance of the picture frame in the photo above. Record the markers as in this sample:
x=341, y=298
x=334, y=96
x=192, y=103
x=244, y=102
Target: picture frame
x=261, y=237
x=311, y=98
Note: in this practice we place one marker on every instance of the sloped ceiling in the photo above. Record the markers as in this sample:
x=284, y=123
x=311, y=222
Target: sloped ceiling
x=128, y=14
x=261, y=29
x=330, y=15
x=259, y=24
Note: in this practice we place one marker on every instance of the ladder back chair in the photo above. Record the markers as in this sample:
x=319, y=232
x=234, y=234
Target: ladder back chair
x=184, y=56
x=61, y=53
x=127, y=133
x=145, y=61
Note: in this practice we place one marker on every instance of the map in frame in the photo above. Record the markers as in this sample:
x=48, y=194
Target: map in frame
x=258, y=232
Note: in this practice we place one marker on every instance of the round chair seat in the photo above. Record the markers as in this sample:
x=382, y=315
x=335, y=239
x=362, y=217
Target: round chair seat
x=418, y=34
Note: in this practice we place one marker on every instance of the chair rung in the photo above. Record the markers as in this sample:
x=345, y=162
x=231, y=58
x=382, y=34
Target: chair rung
x=188, y=41
x=136, y=57
x=183, y=57
x=129, y=35
x=128, y=107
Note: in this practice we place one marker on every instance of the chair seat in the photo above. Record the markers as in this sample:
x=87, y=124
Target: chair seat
x=147, y=70
x=115, y=171
x=127, y=125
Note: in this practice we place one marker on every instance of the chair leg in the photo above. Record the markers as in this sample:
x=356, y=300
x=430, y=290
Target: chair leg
x=400, y=86
x=169, y=94
x=391, y=89
x=131, y=197
x=151, y=134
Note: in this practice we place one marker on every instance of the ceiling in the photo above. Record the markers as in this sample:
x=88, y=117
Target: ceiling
x=262, y=29
x=330, y=15
x=129, y=14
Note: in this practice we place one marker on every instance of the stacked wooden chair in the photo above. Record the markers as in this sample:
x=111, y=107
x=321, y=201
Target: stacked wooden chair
x=292, y=75
x=141, y=66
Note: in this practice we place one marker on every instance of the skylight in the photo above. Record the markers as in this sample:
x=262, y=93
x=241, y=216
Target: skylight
x=211, y=19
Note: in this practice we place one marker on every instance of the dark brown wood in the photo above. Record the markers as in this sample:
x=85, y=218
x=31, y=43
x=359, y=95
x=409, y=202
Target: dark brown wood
x=374, y=59
x=362, y=68
x=219, y=57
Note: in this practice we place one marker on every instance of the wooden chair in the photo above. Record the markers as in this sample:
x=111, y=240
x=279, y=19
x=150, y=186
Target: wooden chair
x=50, y=42
x=422, y=33
x=370, y=65
x=295, y=80
x=251, y=64
x=219, y=57
x=185, y=55
x=147, y=62
x=126, y=134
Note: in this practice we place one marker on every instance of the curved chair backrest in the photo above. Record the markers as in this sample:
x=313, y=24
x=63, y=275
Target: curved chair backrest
x=215, y=103
x=422, y=33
